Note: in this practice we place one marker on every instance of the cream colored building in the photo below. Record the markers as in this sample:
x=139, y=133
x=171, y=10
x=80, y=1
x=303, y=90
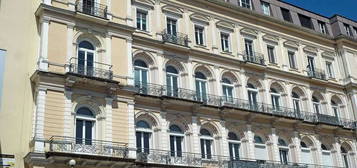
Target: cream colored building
x=177, y=83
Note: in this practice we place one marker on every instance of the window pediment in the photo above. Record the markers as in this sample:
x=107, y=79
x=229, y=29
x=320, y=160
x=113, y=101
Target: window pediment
x=249, y=31
x=292, y=44
x=271, y=38
x=328, y=54
x=176, y=11
x=310, y=49
x=225, y=25
x=200, y=18
x=145, y=3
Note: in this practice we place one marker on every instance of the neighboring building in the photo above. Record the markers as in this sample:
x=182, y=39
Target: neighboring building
x=177, y=83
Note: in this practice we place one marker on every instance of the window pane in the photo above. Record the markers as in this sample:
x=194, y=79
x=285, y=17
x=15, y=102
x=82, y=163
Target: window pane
x=79, y=131
x=146, y=142
x=179, y=146
x=203, y=153
x=208, y=148
x=138, y=141
x=88, y=132
x=172, y=145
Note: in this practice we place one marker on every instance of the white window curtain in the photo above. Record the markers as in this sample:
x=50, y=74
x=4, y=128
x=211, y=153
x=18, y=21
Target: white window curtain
x=261, y=152
x=306, y=156
x=327, y=159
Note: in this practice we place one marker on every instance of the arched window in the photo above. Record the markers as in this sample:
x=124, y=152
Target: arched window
x=260, y=149
x=275, y=99
x=86, y=54
x=283, y=151
x=345, y=157
x=201, y=86
x=306, y=155
x=143, y=136
x=172, y=81
x=252, y=96
x=234, y=145
x=327, y=157
x=141, y=74
x=176, y=141
x=227, y=88
x=206, y=144
x=335, y=108
x=85, y=121
x=316, y=104
x=296, y=102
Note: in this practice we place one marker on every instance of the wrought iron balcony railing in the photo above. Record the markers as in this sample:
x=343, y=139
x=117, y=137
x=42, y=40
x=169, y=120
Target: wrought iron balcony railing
x=271, y=164
x=91, y=8
x=221, y=101
x=316, y=73
x=90, y=69
x=175, y=38
x=64, y=144
x=253, y=57
x=168, y=157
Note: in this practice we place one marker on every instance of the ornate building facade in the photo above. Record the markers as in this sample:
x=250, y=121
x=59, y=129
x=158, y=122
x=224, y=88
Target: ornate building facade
x=182, y=83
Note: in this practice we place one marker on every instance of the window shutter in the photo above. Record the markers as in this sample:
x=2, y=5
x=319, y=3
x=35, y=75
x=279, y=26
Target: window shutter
x=327, y=159
x=306, y=156
x=261, y=152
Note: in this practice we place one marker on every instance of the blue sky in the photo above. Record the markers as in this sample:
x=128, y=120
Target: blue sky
x=347, y=8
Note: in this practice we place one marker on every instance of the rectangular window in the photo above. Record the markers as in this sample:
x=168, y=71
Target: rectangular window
x=286, y=15
x=347, y=29
x=245, y=4
x=305, y=21
x=329, y=69
x=292, y=60
x=249, y=51
x=141, y=20
x=311, y=64
x=171, y=26
x=266, y=8
x=271, y=54
x=225, y=42
x=322, y=26
x=199, y=35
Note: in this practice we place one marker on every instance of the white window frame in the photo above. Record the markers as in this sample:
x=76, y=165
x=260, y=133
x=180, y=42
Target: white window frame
x=238, y=142
x=140, y=10
x=274, y=54
x=347, y=29
x=273, y=102
x=266, y=8
x=286, y=148
x=294, y=58
x=203, y=27
x=85, y=119
x=86, y=51
x=142, y=131
x=318, y=105
x=228, y=40
x=231, y=86
x=209, y=138
x=322, y=26
x=173, y=17
x=241, y=4
x=141, y=76
x=294, y=104
x=256, y=94
x=245, y=48
x=206, y=87
x=330, y=70
x=175, y=145
x=173, y=75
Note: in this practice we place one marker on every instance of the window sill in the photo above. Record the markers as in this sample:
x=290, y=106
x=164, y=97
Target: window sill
x=226, y=52
x=274, y=65
x=142, y=32
x=294, y=70
x=201, y=46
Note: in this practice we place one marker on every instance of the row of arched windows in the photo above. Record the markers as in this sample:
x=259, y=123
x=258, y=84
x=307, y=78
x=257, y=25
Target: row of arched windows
x=262, y=150
x=278, y=100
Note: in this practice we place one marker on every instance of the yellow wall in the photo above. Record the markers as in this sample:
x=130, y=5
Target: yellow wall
x=20, y=37
x=54, y=114
x=120, y=122
x=119, y=56
x=57, y=45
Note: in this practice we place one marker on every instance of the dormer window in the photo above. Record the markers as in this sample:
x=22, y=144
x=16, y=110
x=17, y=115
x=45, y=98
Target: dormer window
x=246, y=4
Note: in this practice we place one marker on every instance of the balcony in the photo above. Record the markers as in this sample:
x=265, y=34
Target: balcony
x=162, y=157
x=92, y=8
x=89, y=68
x=175, y=38
x=254, y=57
x=61, y=144
x=317, y=74
x=241, y=104
x=271, y=164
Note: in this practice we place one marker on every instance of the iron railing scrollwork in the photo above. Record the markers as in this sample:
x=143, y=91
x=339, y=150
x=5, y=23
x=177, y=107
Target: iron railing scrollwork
x=92, y=8
x=96, y=69
x=64, y=144
x=316, y=73
x=175, y=38
x=222, y=101
x=253, y=57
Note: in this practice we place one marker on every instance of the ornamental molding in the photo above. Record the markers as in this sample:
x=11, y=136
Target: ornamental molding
x=328, y=54
x=271, y=38
x=293, y=44
x=310, y=49
x=145, y=3
x=200, y=18
x=173, y=10
x=249, y=31
x=225, y=25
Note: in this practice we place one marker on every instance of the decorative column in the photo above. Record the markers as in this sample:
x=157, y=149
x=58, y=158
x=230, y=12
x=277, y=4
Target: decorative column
x=40, y=119
x=129, y=19
x=164, y=138
x=244, y=92
x=250, y=142
x=318, y=151
x=108, y=53
x=157, y=15
x=161, y=70
x=43, y=64
x=190, y=76
x=213, y=31
x=195, y=136
x=108, y=119
x=337, y=153
x=70, y=28
x=296, y=147
x=218, y=81
x=274, y=145
x=224, y=144
x=265, y=92
x=130, y=80
x=68, y=117
x=131, y=131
